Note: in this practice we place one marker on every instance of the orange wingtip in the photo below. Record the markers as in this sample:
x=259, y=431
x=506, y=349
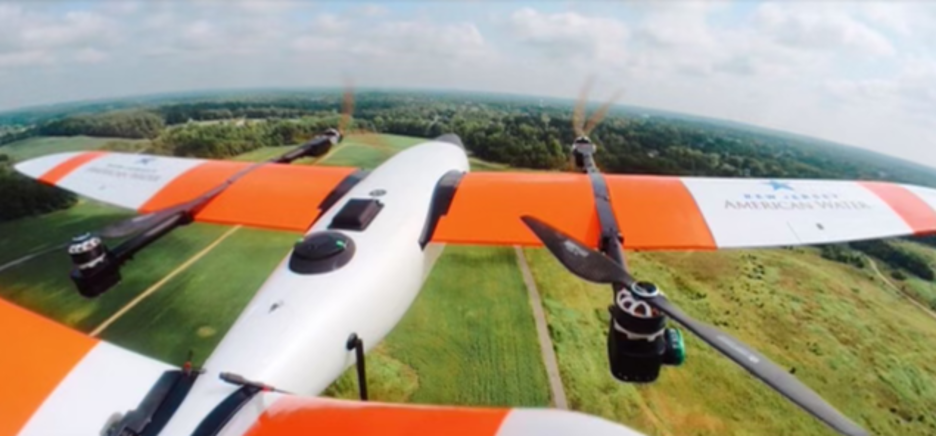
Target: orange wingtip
x=63, y=169
x=280, y=197
x=918, y=215
x=300, y=416
x=37, y=355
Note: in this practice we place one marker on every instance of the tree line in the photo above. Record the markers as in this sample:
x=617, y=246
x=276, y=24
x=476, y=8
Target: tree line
x=892, y=255
x=518, y=132
x=121, y=124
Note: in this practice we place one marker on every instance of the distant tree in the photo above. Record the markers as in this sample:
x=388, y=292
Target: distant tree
x=22, y=196
x=123, y=124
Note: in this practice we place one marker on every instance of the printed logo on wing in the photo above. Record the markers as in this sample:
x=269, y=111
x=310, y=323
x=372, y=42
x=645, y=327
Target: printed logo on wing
x=776, y=195
x=142, y=169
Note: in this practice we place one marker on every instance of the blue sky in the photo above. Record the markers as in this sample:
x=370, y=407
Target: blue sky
x=861, y=73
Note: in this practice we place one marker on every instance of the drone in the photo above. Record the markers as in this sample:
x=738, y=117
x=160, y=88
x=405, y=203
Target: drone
x=365, y=250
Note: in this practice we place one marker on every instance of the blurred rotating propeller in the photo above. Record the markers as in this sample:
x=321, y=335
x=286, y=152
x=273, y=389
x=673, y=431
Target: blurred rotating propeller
x=580, y=125
x=350, y=132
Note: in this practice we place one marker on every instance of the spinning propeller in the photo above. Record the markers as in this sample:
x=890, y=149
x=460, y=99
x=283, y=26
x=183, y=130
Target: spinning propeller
x=594, y=266
x=584, y=127
x=582, y=144
x=354, y=134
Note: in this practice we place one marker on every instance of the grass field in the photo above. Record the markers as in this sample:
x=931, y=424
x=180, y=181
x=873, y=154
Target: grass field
x=42, y=145
x=469, y=339
x=42, y=283
x=194, y=309
x=867, y=351
x=921, y=290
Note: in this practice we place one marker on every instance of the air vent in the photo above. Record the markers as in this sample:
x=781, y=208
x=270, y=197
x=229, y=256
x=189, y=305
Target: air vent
x=356, y=214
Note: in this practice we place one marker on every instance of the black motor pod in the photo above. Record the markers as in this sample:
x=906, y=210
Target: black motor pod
x=95, y=270
x=636, y=344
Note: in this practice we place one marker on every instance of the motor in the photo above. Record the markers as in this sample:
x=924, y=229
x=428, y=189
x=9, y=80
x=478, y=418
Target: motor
x=95, y=269
x=582, y=147
x=639, y=342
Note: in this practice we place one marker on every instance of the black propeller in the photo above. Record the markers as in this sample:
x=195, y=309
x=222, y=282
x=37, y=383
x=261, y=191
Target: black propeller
x=141, y=223
x=593, y=266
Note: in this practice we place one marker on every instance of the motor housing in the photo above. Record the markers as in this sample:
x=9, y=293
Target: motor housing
x=638, y=341
x=95, y=269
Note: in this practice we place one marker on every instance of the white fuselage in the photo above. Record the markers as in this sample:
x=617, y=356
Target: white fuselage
x=293, y=334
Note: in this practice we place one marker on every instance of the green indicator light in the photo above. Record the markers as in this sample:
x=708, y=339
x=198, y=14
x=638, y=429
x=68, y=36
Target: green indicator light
x=340, y=244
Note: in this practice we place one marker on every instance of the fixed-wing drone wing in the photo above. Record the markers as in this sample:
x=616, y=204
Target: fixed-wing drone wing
x=361, y=262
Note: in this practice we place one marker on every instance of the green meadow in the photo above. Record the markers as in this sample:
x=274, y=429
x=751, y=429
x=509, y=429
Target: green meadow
x=867, y=351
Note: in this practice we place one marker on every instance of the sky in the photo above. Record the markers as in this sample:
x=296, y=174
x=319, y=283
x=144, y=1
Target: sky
x=861, y=73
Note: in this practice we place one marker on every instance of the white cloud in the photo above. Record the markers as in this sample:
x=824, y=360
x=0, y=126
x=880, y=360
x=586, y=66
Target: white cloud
x=89, y=55
x=371, y=10
x=812, y=26
x=329, y=24
x=912, y=91
x=24, y=58
x=569, y=36
x=858, y=72
x=76, y=28
x=394, y=39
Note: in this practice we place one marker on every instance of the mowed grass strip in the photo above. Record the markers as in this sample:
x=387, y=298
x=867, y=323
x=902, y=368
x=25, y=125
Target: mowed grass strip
x=194, y=310
x=867, y=352
x=469, y=339
x=42, y=283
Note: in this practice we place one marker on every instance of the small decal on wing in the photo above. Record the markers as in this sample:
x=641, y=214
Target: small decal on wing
x=776, y=195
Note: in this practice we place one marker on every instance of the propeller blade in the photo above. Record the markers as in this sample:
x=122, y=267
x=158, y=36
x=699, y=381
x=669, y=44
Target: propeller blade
x=576, y=256
x=347, y=106
x=578, y=115
x=139, y=223
x=593, y=266
x=601, y=112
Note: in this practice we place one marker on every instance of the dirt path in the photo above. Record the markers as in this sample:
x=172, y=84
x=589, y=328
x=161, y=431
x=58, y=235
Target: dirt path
x=152, y=289
x=546, y=347
x=898, y=290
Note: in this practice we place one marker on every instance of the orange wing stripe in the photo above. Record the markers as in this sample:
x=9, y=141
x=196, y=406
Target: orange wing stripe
x=914, y=211
x=299, y=190
x=297, y=416
x=63, y=169
x=487, y=208
x=658, y=213
x=37, y=355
